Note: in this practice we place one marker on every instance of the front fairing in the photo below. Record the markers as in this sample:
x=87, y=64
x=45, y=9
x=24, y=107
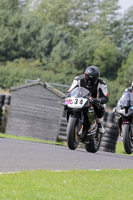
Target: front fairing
x=125, y=105
x=126, y=99
x=124, y=112
x=77, y=98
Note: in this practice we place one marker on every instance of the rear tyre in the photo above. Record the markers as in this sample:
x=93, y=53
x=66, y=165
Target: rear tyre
x=127, y=139
x=94, y=144
x=72, y=133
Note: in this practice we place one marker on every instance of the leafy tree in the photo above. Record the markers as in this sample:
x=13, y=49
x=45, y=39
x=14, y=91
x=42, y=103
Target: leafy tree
x=23, y=3
x=55, y=11
x=127, y=27
x=115, y=90
x=107, y=12
x=15, y=73
x=45, y=42
x=10, y=20
x=96, y=49
x=94, y=14
x=59, y=53
x=27, y=37
x=105, y=57
x=125, y=74
x=83, y=52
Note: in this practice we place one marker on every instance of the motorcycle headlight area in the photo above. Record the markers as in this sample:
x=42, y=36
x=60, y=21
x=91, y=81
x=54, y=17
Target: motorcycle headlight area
x=131, y=107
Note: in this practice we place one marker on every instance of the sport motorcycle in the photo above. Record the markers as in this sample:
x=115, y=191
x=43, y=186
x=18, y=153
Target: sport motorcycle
x=81, y=120
x=124, y=116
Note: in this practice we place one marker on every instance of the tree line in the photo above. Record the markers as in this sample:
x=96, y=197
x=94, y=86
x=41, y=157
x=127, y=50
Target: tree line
x=56, y=40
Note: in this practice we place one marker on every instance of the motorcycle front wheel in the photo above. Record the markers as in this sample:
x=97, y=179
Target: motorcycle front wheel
x=127, y=139
x=94, y=144
x=72, y=133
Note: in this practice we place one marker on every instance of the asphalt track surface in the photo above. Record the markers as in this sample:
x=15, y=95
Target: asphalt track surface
x=18, y=155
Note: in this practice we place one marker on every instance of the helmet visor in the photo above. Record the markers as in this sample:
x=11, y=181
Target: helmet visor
x=90, y=80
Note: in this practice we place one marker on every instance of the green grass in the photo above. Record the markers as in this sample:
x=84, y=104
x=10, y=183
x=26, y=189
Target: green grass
x=120, y=149
x=65, y=185
x=28, y=139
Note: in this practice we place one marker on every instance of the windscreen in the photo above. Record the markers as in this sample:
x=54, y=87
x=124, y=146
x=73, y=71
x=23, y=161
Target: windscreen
x=127, y=99
x=79, y=92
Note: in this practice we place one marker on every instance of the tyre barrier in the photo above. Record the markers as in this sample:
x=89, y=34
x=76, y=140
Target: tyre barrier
x=63, y=127
x=2, y=99
x=7, y=99
x=4, y=105
x=109, y=139
x=1, y=115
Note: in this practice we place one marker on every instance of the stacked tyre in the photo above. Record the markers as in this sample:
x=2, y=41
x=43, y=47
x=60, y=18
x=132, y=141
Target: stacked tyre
x=7, y=99
x=2, y=99
x=109, y=139
x=63, y=127
x=4, y=105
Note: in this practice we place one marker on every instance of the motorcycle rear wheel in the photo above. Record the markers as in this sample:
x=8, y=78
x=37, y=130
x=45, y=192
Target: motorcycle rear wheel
x=72, y=133
x=127, y=140
x=94, y=144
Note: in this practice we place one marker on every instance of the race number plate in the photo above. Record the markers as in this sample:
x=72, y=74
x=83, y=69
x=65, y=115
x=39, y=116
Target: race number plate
x=75, y=102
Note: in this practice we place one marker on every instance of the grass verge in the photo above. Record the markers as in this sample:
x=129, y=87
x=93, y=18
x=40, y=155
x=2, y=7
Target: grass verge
x=65, y=185
x=28, y=139
x=120, y=148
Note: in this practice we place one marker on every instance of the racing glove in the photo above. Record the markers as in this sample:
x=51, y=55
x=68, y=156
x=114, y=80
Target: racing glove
x=95, y=101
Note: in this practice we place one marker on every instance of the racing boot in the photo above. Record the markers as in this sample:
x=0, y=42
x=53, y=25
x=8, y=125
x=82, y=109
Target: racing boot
x=100, y=125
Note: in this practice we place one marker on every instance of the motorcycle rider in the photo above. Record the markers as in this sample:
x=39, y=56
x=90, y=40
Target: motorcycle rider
x=91, y=80
x=119, y=119
x=129, y=89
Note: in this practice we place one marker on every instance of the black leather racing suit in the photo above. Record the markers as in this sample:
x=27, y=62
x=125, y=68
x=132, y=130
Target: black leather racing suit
x=98, y=90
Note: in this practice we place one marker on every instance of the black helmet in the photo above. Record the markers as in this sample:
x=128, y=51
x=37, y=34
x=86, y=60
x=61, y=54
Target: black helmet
x=91, y=75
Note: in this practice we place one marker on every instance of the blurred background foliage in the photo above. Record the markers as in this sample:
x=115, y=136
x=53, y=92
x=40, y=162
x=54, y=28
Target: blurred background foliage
x=55, y=40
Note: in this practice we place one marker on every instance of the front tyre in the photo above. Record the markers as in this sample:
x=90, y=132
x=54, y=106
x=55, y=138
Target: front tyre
x=94, y=144
x=72, y=133
x=127, y=139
